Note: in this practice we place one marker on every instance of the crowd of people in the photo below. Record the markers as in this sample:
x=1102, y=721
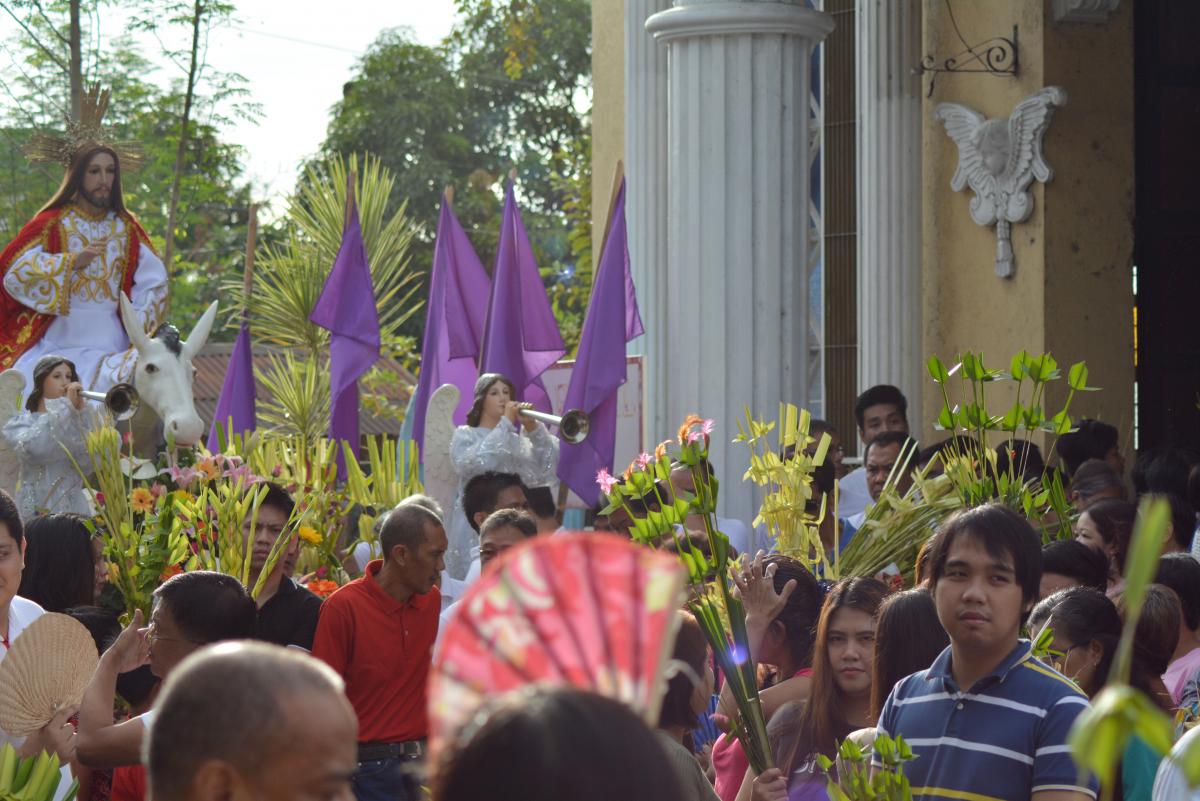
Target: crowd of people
x=285, y=695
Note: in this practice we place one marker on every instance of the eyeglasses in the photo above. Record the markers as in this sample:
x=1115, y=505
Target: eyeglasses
x=153, y=636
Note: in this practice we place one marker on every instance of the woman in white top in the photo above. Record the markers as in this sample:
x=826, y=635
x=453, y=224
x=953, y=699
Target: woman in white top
x=16, y=614
x=495, y=439
x=55, y=416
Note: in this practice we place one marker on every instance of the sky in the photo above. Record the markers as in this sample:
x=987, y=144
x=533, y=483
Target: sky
x=296, y=55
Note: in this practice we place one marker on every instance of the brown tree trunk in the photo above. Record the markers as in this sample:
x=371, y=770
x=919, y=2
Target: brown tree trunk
x=184, y=127
x=76, y=66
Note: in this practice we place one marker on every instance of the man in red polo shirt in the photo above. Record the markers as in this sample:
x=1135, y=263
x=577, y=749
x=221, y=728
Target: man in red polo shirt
x=378, y=633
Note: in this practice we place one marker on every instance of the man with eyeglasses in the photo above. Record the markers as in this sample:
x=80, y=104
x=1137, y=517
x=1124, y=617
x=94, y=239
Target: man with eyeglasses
x=191, y=610
x=287, y=612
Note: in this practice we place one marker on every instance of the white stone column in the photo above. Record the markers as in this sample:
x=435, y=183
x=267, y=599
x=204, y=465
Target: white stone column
x=646, y=201
x=738, y=194
x=889, y=199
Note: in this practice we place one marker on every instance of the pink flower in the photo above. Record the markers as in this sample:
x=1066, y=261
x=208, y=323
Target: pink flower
x=606, y=481
x=183, y=476
x=706, y=428
x=126, y=437
x=643, y=460
x=100, y=498
x=277, y=471
x=243, y=474
x=157, y=490
x=322, y=571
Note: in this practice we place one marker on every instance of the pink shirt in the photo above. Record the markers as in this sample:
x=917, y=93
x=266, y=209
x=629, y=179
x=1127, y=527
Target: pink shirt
x=1179, y=671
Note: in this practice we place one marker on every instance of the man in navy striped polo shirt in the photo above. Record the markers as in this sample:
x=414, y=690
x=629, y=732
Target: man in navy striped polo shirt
x=987, y=721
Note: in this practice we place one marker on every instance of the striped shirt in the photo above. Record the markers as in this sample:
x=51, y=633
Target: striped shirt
x=1002, y=740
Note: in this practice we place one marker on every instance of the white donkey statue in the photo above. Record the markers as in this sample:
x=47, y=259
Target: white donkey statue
x=162, y=377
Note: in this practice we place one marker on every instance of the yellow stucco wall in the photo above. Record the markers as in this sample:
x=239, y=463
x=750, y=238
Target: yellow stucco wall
x=608, y=108
x=1071, y=292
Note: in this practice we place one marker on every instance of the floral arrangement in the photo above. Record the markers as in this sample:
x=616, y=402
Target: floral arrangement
x=188, y=512
x=718, y=610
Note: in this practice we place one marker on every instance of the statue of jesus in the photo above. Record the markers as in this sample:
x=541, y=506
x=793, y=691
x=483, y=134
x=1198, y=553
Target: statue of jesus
x=63, y=273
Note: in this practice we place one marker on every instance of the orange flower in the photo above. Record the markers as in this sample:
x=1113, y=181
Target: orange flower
x=688, y=422
x=171, y=570
x=322, y=588
x=208, y=469
x=141, y=500
x=661, y=450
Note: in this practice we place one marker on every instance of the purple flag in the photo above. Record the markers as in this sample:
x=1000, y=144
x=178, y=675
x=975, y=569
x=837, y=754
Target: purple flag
x=612, y=320
x=455, y=315
x=521, y=336
x=347, y=309
x=237, y=400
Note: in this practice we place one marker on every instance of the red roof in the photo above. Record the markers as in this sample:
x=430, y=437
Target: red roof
x=213, y=361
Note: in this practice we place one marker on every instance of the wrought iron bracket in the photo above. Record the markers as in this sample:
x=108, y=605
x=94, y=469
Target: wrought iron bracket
x=995, y=56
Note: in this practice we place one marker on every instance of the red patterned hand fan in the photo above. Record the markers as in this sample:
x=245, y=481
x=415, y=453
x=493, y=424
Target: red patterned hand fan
x=592, y=611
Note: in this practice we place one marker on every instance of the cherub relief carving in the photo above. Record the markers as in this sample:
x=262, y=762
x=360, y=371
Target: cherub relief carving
x=999, y=158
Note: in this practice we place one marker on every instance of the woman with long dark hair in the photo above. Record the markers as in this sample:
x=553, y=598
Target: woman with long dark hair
x=496, y=438
x=47, y=440
x=1107, y=526
x=783, y=602
x=908, y=637
x=64, y=565
x=838, y=704
x=1087, y=627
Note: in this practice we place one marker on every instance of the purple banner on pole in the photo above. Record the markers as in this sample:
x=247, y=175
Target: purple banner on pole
x=238, y=396
x=521, y=338
x=612, y=320
x=455, y=316
x=347, y=309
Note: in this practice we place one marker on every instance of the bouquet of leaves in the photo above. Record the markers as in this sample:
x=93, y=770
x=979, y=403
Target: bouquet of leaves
x=969, y=459
x=857, y=781
x=718, y=610
x=393, y=474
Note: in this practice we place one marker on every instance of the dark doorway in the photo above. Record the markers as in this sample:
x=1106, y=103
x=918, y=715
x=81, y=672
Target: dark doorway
x=1167, y=226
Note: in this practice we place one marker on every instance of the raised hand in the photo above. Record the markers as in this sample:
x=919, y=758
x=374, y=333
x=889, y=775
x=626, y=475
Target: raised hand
x=131, y=649
x=756, y=586
x=529, y=423
x=89, y=254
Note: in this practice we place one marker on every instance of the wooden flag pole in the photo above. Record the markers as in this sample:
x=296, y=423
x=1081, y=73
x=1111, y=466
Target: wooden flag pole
x=351, y=182
x=618, y=176
x=251, y=246
x=448, y=192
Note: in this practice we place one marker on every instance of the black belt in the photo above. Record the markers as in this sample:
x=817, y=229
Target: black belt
x=370, y=752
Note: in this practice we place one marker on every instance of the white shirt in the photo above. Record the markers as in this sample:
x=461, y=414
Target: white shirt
x=853, y=496
x=1169, y=783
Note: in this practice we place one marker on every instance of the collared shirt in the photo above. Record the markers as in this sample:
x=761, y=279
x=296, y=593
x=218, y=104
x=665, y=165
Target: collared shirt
x=289, y=617
x=382, y=649
x=1005, y=738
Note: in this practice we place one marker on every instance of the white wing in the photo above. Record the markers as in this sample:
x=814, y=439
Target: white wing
x=441, y=480
x=1026, y=126
x=12, y=389
x=961, y=124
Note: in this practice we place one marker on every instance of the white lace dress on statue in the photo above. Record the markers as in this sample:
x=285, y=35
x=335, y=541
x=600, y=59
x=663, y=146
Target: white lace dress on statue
x=503, y=449
x=48, y=479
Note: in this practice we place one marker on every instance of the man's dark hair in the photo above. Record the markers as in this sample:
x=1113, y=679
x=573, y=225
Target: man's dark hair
x=1163, y=470
x=405, y=525
x=1072, y=558
x=824, y=476
x=888, y=438
x=60, y=568
x=482, y=493
x=541, y=501
x=1092, y=439
x=551, y=743
x=278, y=498
x=1183, y=519
x=1181, y=572
x=877, y=395
x=209, y=607
x=1003, y=533
x=1027, y=457
x=1095, y=476
x=11, y=518
x=227, y=703
x=520, y=520
x=1193, y=488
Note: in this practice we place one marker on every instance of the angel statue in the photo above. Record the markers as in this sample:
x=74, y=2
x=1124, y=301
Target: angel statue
x=999, y=158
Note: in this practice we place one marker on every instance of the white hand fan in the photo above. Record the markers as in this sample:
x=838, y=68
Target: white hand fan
x=46, y=670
